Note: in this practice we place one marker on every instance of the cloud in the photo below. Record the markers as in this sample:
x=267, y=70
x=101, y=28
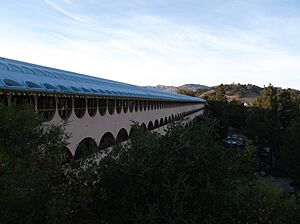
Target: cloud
x=74, y=16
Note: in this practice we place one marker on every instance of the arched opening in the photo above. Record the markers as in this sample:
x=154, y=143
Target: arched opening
x=136, y=106
x=155, y=105
x=64, y=105
x=131, y=105
x=122, y=136
x=118, y=106
x=161, y=122
x=92, y=106
x=125, y=106
x=145, y=105
x=170, y=119
x=66, y=155
x=166, y=120
x=143, y=126
x=150, y=126
x=149, y=104
x=156, y=124
x=21, y=100
x=107, y=140
x=102, y=106
x=152, y=105
x=111, y=106
x=141, y=105
x=86, y=147
x=79, y=107
x=3, y=100
x=173, y=117
x=46, y=106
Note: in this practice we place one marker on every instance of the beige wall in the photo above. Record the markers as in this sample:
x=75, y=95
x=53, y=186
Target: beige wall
x=96, y=127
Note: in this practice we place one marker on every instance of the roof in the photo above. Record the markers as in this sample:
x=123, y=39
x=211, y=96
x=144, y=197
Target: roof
x=22, y=76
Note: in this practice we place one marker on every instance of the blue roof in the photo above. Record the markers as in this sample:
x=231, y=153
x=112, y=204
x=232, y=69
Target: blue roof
x=22, y=76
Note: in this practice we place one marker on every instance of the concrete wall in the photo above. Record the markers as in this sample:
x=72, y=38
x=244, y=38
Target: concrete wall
x=95, y=127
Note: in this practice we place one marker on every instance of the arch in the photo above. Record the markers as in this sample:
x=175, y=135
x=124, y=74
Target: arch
x=111, y=106
x=102, y=106
x=150, y=126
x=66, y=155
x=173, y=117
x=143, y=126
x=64, y=105
x=141, y=105
x=170, y=119
x=155, y=105
x=125, y=106
x=92, y=106
x=107, y=140
x=156, y=124
x=122, y=135
x=79, y=107
x=131, y=105
x=136, y=105
x=161, y=122
x=118, y=105
x=86, y=147
x=166, y=120
x=46, y=107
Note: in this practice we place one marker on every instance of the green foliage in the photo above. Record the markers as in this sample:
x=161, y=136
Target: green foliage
x=186, y=92
x=185, y=176
x=289, y=152
x=30, y=162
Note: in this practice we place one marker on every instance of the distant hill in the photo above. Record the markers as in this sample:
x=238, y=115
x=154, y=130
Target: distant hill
x=174, y=89
x=241, y=93
x=193, y=87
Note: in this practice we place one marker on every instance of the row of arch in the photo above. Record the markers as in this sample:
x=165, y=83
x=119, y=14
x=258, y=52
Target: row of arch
x=88, y=145
x=46, y=105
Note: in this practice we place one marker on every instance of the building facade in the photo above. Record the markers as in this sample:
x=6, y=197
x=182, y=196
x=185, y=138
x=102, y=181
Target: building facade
x=94, y=111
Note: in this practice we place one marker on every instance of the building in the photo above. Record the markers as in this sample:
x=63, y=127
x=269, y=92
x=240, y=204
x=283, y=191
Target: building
x=95, y=111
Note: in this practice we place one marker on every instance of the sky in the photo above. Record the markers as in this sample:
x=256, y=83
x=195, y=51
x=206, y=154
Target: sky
x=150, y=42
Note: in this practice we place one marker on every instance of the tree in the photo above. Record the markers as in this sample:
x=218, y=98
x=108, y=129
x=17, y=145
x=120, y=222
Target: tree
x=31, y=158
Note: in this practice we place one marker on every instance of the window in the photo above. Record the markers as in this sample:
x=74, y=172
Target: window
x=46, y=107
x=92, y=106
x=131, y=105
x=152, y=105
x=141, y=105
x=64, y=107
x=136, y=105
x=125, y=106
x=149, y=104
x=111, y=106
x=10, y=82
x=79, y=107
x=145, y=105
x=119, y=106
x=33, y=85
x=102, y=106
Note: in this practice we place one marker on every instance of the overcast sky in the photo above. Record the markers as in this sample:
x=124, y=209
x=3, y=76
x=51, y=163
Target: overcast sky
x=149, y=42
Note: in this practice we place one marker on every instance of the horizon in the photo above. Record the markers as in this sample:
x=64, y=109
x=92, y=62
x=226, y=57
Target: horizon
x=159, y=42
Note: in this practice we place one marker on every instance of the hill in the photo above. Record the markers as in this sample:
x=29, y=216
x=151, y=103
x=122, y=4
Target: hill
x=174, y=89
x=238, y=92
x=241, y=93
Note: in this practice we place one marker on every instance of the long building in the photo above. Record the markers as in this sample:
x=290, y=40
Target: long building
x=95, y=111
